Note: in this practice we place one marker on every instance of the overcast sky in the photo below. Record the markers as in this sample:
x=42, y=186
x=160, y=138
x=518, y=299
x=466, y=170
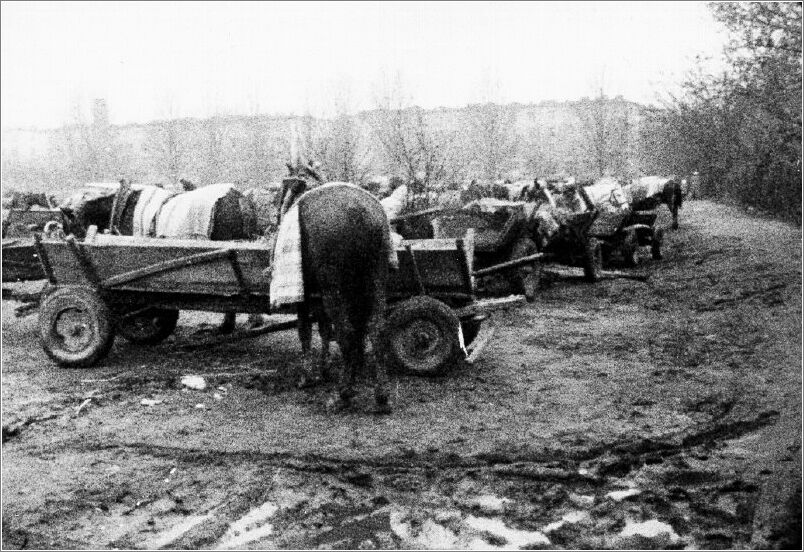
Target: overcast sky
x=153, y=60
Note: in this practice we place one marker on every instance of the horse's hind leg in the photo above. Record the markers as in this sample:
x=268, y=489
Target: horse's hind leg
x=308, y=376
x=347, y=337
x=378, y=364
x=325, y=331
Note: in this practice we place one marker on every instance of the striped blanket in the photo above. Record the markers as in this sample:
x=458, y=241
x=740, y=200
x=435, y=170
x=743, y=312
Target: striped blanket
x=287, y=282
x=190, y=215
x=145, y=211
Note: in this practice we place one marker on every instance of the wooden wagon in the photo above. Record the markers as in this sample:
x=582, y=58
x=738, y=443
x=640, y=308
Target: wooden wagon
x=621, y=229
x=502, y=231
x=112, y=285
x=20, y=260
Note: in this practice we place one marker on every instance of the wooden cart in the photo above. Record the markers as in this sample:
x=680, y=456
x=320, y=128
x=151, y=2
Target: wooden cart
x=119, y=285
x=620, y=229
x=20, y=260
x=503, y=233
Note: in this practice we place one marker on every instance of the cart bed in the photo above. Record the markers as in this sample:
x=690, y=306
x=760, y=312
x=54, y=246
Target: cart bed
x=233, y=268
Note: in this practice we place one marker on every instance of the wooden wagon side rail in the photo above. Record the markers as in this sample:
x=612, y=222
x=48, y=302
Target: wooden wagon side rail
x=167, y=266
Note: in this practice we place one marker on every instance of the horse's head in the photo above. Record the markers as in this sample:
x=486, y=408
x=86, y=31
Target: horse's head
x=300, y=179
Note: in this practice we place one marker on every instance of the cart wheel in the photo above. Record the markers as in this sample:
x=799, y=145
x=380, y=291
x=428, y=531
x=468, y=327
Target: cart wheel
x=592, y=260
x=522, y=278
x=630, y=248
x=75, y=327
x=148, y=327
x=422, y=337
x=656, y=244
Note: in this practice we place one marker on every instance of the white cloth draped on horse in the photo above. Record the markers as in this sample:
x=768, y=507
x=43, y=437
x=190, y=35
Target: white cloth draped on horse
x=151, y=200
x=190, y=215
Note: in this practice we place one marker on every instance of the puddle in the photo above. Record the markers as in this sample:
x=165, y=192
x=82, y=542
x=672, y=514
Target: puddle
x=514, y=538
x=251, y=527
x=571, y=517
x=431, y=535
x=488, y=504
x=650, y=528
x=622, y=495
x=174, y=533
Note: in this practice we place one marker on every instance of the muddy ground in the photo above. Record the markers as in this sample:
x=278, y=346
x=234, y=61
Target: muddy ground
x=631, y=414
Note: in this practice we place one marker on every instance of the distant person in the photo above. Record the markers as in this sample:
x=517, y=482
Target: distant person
x=186, y=185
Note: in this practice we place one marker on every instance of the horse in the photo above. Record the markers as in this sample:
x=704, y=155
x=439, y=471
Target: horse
x=233, y=216
x=649, y=192
x=345, y=251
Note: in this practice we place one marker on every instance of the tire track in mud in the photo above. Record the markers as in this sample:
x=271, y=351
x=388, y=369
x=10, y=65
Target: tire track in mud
x=711, y=433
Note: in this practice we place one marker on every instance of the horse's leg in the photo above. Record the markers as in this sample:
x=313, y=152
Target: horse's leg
x=346, y=336
x=228, y=324
x=375, y=323
x=325, y=331
x=305, y=328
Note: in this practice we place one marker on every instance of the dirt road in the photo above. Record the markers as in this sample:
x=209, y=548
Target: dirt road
x=664, y=413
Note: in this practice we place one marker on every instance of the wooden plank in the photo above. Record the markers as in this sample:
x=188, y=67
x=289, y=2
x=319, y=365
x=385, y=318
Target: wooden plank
x=479, y=343
x=84, y=262
x=44, y=259
x=245, y=334
x=416, y=273
x=465, y=250
x=238, y=272
x=509, y=264
x=166, y=266
x=489, y=305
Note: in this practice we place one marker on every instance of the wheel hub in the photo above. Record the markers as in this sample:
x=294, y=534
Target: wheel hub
x=72, y=328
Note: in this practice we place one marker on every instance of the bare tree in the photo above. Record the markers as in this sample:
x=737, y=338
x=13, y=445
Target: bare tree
x=213, y=149
x=167, y=149
x=605, y=127
x=494, y=138
x=91, y=149
x=413, y=144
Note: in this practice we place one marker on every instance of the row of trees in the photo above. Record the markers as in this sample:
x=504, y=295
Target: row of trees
x=742, y=128
x=485, y=141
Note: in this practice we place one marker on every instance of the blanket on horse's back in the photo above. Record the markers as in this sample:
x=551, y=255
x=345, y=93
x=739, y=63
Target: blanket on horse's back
x=190, y=215
x=147, y=208
x=287, y=280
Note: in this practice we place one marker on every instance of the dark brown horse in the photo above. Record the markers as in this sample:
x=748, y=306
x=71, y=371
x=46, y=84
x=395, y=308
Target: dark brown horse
x=345, y=245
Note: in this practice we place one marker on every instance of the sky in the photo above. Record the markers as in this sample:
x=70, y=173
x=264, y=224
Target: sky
x=156, y=60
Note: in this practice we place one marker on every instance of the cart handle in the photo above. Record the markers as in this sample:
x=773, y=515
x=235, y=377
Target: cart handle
x=509, y=264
